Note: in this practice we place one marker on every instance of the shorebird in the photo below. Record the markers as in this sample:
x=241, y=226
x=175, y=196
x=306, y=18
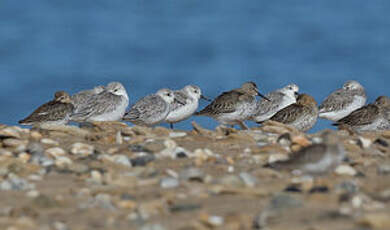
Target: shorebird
x=316, y=158
x=343, y=101
x=152, y=109
x=55, y=112
x=109, y=105
x=235, y=106
x=302, y=115
x=190, y=96
x=280, y=99
x=375, y=116
x=82, y=97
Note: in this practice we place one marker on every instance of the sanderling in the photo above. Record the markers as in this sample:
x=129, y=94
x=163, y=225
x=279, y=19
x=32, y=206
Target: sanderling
x=371, y=117
x=235, y=106
x=302, y=115
x=343, y=101
x=190, y=95
x=109, y=105
x=152, y=109
x=55, y=112
x=280, y=99
x=82, y=97
x=318, y=158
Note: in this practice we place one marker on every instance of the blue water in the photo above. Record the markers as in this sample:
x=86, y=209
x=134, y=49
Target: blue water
x=49, y=45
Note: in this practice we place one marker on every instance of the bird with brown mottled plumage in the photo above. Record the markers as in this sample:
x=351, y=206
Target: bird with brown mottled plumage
x=375, y=116
x=302, y=115
x=234, y=106
x=55, y=112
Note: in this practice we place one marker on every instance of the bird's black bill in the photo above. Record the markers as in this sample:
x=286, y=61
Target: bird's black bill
x=205, y=98
x=180, y=102
x=296, y=94
x=261, y=95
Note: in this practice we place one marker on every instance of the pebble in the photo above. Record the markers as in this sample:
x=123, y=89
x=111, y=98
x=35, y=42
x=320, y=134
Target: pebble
x=5, y=152
x=365, y=142
x=18, y=145
x=48, y=141
x=152, y=227
x=16, y=184
x=121, y=159
x=345, y=170
x=273, y=158
x=169, y=182
x=60, y=226
x=177, y=134
x=384, y=169
x=32, y=194
x=82, y=149
x=62, y=161
x=9, y=132
x=142, y=160
x=104, y=201
x=55, y=152
x=192, y=174
x=248, y=179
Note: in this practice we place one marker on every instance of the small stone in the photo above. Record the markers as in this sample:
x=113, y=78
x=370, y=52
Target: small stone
x=62, y=161
x=13, y=143
x=273, y=158
x=211, y=221
x=78, y=168
x=365, y=142
x=9, y=132
x=55, y=152
x=170, y=144
x=118, y=138
x=35, y=135
x=231, y=180
x=82, y=149
x=301, y=140
x=192, y=174
x=152, y=227
x=5, y=152
x=216, y=220
x=96, y=177
x=104, y=201
x=283, y=201
x=15, y=183
x=48, y=141
x=60, y=226
x=121, y=159
x=248, y=179
x=384, y=169
x=177, y=134
x=377, y=220
x=127, y=204
x=32, y=194
x=142, y=160
x=345, y=170
x=169, y=182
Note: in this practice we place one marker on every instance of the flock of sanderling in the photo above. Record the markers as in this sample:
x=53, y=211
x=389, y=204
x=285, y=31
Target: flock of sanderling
x=345, y=106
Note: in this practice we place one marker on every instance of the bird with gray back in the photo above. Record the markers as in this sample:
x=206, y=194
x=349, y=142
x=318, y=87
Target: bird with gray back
x=371, y=117
x=55, y=112
x=280, y=99
x=235, y=106
x=190, y=96
x=82, y=97
x=344, y=101
x=108, y=105
x=152, y=109
x=302, y=115
x=316, y=159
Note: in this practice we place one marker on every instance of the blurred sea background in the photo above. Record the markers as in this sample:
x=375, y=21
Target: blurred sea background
x=50, y=45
